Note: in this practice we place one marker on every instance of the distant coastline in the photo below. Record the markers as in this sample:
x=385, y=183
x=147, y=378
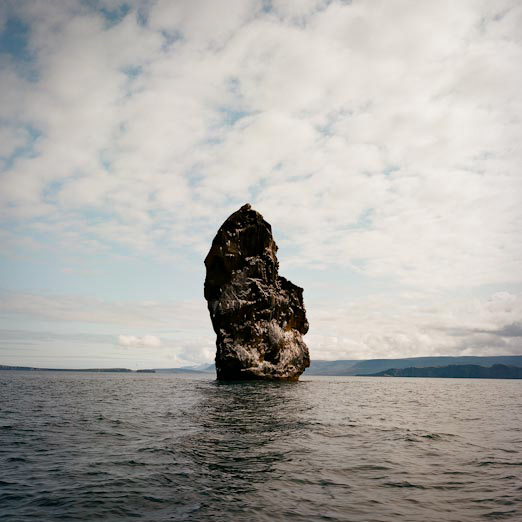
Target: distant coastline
x=92, y=370
x=490, y=367
x=103, y=370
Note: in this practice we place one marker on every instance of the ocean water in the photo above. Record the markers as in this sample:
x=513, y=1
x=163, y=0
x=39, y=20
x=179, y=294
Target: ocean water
x=153, y=447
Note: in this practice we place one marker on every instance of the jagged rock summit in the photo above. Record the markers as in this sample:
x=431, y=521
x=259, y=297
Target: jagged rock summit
x=258, y=316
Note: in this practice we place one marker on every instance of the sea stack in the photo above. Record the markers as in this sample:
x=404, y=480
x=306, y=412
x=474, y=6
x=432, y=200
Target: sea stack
x=258, y=316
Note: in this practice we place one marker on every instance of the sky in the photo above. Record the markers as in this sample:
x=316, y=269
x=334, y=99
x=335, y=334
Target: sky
x=380, y=139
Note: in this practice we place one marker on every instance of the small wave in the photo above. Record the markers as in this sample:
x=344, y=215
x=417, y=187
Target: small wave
x=130, y=462
x=500, y=515
x=160, y=451
x=154, y=499
x=369, y=467
x=403, y=484
x=497, y=463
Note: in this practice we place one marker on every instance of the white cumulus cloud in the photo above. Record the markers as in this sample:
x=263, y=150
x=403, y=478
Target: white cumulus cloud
x=380, y=139
x=148, y=341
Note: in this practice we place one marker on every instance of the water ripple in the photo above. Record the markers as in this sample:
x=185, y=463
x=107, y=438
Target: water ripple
x=164, y=447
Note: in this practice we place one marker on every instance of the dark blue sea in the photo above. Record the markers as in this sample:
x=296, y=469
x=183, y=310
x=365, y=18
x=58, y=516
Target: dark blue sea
x=158, y=447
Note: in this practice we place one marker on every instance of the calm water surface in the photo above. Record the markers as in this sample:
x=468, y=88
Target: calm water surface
x=104, y=447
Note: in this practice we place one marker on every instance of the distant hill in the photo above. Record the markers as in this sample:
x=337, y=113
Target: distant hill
x=370, y=366
x=341, y=367
x=464, y=371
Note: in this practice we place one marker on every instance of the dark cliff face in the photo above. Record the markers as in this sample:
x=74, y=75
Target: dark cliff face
x=258, y=316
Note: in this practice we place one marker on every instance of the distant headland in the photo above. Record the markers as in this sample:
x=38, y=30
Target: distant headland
x=455, y=371
x=374, y=366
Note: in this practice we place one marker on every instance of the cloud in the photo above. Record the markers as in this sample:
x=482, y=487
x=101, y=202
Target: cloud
x=364, y=135
x=78, y=349
x=146, y=341
x=510, y=330
x=35, y=337
x=377, y=326
x=390, y=326
x=171, y=316
x=12, y=139
x=378, y=139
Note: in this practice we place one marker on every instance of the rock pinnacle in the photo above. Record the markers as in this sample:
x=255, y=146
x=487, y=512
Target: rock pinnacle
x=258, y=316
